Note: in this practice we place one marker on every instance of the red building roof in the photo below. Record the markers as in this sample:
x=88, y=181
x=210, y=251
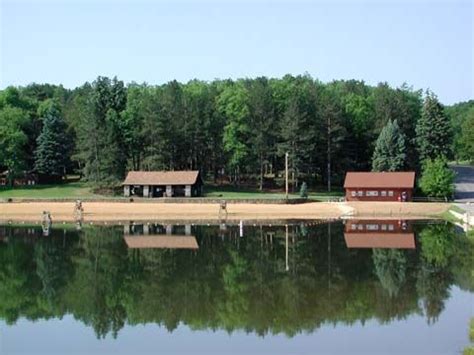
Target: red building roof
x=403, y=180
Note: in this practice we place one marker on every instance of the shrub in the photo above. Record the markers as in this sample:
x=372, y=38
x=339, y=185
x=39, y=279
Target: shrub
x=437, y=179
x=304, y=190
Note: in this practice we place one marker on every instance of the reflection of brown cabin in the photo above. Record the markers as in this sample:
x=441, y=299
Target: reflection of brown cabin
x=162, y=242
x=391, y=234
x=163, y=184
x=379, y=186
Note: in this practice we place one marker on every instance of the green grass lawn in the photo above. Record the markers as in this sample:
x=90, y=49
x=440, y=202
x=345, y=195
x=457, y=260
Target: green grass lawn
x=231, y=192
x=81, y=190
x=66, y=190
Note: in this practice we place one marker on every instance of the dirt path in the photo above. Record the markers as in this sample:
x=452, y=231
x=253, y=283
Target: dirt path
x=111, y=211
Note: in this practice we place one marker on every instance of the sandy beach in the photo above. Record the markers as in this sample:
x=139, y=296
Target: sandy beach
x=119, y=211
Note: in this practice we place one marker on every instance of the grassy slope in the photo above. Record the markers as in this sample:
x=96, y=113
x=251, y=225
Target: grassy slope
x=456, y=209
x=68, y=190
x=231, y=192
x=80, y=189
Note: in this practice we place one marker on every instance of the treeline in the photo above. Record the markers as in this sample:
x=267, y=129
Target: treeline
x=238, y=130
x=462, y=118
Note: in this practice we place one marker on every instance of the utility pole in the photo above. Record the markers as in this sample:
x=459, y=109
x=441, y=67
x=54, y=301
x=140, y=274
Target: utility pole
x=329, y=153
x=286, y=174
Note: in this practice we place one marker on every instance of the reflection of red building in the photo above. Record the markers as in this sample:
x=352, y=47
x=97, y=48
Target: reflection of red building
x=162, y=242
x=391, y=234
x=383, y=186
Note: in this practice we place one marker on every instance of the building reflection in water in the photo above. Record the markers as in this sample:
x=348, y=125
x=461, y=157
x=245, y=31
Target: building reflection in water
x=156, y=236
x=379, y=234
x=290, y=277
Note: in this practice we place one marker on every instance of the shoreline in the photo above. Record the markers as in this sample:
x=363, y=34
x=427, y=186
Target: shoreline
x=126, y=211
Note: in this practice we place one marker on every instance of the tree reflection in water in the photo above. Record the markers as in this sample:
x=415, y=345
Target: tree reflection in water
x=264, y=282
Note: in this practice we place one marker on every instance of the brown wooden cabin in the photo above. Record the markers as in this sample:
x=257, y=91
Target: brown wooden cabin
x=384, y=234
x=163, y=184
x=379, y=186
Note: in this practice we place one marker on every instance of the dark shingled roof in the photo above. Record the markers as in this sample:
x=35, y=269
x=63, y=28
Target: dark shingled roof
x=404, y=180
x=161, y=178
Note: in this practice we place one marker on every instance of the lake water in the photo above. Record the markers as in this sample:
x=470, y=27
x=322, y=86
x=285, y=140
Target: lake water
x=295, y=287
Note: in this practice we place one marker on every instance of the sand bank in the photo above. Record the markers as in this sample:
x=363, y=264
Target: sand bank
x=119, y=211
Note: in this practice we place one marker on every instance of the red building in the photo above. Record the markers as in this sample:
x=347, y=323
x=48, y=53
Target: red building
x=383, y=186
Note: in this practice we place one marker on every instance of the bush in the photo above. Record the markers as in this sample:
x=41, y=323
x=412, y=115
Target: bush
x=304, y=190
x=437, y=179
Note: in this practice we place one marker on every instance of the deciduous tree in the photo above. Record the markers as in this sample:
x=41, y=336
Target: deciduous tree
x=437, y=178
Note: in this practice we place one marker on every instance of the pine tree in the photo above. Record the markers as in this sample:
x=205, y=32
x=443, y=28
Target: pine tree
x=295, y=137
x=101, y=144
x=262, y=119
x=433, y=131
x=52, y=152
x=390, y=150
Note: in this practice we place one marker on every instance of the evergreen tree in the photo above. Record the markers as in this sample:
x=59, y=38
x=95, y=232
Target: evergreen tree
x=433, y=131
x=294, y=134
x=334, y=134
x=391, y=268
x=52, y=151
x=389, y=154
x=262, y=119
x=295, y=109
x=101, y=143
x=401, y=104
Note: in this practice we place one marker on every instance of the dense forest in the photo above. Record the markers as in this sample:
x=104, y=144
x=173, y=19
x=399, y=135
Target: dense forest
x=233, y=131
x=230, y=283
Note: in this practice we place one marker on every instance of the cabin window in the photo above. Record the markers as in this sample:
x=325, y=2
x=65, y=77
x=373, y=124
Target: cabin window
x=390, y=227
x=384, y=227
x=383, y=193
x=372, y=193
x=360, y=227
x=353, y=226
x=360, y=193
x=353, y=193
x=372, y=227
x=390, y=193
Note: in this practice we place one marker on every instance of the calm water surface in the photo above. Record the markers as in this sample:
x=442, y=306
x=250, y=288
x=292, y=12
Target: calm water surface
x=307, y=287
